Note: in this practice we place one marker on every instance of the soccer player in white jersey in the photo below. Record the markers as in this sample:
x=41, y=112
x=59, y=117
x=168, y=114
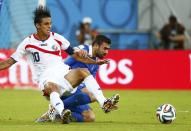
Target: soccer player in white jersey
x=78, y=101
x=43, y=51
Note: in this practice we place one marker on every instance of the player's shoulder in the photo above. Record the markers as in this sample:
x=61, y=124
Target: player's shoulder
x=31, y=37
x=28, y=39
x=84, y=47
x=56, y=35
x=59, y=37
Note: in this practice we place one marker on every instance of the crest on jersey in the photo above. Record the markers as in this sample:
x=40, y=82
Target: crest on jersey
x=55, y=47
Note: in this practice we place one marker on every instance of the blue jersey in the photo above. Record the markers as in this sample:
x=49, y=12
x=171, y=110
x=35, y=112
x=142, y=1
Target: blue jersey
x=93, y=68
x=73, y=63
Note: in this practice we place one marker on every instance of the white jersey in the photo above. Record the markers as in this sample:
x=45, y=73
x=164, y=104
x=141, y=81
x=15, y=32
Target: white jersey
x=41, y=54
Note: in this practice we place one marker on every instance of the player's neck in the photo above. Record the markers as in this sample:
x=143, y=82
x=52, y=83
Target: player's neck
x=40, y=36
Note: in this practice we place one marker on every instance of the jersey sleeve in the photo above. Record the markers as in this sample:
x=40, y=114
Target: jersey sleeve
x=64, y=42
x=69, y=61
x=20, y=51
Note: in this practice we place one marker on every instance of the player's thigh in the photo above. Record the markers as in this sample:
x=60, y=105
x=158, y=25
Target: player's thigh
x=52, y=80
x=76, y=76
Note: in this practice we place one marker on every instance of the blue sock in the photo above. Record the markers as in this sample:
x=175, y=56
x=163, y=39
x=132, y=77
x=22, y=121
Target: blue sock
x=77, y=117
x=76, y=100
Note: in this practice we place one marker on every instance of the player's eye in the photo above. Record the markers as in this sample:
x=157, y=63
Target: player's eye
x=106, y=48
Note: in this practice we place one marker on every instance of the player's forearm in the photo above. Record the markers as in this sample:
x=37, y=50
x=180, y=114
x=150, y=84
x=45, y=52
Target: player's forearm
x=7, y=63
x=86, y=60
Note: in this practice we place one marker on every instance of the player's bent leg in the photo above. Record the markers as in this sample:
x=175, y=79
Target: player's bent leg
x=76, y=76
x=53, y=91
x=76, y=99
x=88, y=115
x=91, y=96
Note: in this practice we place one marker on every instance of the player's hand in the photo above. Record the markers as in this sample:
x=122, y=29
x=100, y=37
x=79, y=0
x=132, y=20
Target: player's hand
x=101, y=62
x=81, y=53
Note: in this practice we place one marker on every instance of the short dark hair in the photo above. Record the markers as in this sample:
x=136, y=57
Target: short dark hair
x=172, y=18
x=100, y=39
x=39, y=13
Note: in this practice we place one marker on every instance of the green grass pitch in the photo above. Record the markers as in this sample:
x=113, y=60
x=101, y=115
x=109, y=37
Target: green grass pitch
x=19, y=108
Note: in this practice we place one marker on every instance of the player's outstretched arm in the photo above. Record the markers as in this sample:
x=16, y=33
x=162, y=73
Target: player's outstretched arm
x=7, y=63
x=82, y=56
x=86, y=60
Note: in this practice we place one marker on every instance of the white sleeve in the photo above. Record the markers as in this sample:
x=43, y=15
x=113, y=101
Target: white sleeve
x=65, y=43
x=20, y=51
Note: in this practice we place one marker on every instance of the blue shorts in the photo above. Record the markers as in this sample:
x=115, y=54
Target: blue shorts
x=81, y=108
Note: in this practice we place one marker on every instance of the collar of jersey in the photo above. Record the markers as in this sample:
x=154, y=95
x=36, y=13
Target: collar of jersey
x=35, y=36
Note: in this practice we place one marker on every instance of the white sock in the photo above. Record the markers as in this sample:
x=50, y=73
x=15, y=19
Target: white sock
x=94, y=88
x=56, y=102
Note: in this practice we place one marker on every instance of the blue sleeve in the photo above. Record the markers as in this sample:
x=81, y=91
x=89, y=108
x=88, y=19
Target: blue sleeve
x=69, y=61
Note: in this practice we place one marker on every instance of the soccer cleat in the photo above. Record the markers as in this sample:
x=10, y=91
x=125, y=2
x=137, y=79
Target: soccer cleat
x=110, y=103
x=43, y=118
x=65, y=116
x=115, y=99
x=46, y=117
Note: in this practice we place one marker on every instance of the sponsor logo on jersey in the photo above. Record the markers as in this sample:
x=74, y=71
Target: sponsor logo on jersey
x=44, y=44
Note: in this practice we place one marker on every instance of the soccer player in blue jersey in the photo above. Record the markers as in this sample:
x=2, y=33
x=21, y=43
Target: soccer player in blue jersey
x=79, y=100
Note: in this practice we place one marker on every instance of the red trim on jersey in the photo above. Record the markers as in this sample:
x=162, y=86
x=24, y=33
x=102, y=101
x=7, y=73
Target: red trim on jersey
x=36, y=37
x=43, y=50
x=59, y=42
x=53, y=33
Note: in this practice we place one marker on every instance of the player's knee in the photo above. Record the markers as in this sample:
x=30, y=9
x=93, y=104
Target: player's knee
x=89, y=116
x=49, y=88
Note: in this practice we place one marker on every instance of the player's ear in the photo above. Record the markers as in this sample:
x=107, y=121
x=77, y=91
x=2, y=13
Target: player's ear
x=37, y=25
x=96, y=45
